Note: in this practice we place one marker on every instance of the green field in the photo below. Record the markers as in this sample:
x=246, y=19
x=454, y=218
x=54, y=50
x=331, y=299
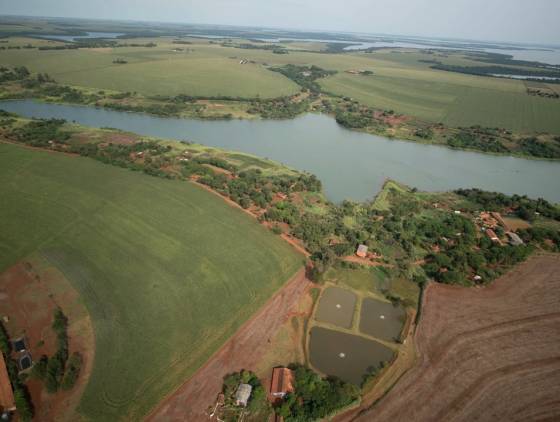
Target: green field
x=166, y=270
x=157, y=71
x=400, y=82
x=404, y=85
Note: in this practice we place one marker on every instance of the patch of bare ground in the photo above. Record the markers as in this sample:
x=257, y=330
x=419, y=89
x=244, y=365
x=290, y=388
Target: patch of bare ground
x=30, y=291
x=251, y=343
x=484, y=354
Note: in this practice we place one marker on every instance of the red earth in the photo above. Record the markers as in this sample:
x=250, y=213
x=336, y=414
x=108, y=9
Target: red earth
x=30, y=291
x=484, y=354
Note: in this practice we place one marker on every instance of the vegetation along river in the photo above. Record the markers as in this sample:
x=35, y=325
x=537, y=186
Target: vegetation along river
x=351, y=165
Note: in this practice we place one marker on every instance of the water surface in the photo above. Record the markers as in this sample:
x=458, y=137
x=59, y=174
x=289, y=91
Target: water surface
x=72, y=38
x=346, y=356
x=351, y=165
x=336, y=307
x=382, y=320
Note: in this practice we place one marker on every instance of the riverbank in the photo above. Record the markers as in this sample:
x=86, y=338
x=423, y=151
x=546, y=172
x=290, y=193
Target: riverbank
x=351, y=165
x=348, y=112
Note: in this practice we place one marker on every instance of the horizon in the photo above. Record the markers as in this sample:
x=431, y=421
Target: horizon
x=502, y=21
x=281, y=28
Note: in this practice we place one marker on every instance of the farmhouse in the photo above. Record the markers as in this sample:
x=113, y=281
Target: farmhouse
x=242, y=395
x=7, y=403
x=500, y=220
x=282, y=382
x=24, y=361
x=493, y=236
x=362, y=251
x=19, y=345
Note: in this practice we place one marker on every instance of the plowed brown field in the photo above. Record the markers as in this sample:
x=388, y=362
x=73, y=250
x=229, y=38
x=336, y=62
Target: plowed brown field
x=485, y=354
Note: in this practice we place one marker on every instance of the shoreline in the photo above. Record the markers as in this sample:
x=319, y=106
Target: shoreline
x=256, y=117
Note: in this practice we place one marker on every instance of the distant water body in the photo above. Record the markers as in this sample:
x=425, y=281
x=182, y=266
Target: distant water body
x=72, y=38
x=351, y=165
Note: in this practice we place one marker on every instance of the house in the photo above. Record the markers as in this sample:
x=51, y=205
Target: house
x=500, y=220
x=19, y=345
x=362, y=251
x=24, y=361
x=282, y=382
x=514, y=239
x=493, y=236
x=242, y=395
x=7, y=403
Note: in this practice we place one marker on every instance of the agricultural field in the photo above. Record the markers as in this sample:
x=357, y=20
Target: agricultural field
x=159, y=265
x=201, y=70
x=401, y=81
x=405, y=85
x=490, y=353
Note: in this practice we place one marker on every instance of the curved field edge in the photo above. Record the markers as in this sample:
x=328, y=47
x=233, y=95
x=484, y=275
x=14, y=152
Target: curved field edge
x=167, y=271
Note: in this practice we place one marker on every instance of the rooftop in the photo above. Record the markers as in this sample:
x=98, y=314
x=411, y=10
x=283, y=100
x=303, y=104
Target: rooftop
x=243, y=393
x=282, y=382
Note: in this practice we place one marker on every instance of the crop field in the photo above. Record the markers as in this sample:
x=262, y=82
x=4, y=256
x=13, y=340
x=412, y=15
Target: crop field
x=487, y=354
x=167, y=271
x=157, y=71
x=400, y=81
x=403, y=84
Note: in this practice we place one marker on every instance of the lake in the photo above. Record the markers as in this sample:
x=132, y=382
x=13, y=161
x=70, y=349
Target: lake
x=72, y=38
x=351, y=165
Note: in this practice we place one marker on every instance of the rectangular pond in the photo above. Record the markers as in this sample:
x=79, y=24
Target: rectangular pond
x=382, y=320
x=336, y=307
x=345, y=356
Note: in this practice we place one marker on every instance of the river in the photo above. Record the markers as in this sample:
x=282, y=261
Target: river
x=351, y=165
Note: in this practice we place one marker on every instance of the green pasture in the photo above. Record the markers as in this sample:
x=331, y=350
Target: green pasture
x=167, y=271
x=402, y=84
x=197, y=70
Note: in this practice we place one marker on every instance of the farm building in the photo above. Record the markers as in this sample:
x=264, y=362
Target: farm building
x=514, y=239
x=362, y=251
x=282, y=382
x=24, y=361
x=7, y=403
x=500, y=220
x=242, y=395
x=493, y=236
x=19, y=345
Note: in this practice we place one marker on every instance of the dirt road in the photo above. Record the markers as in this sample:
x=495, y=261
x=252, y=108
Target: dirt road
x=242, y=351
x=485, y=354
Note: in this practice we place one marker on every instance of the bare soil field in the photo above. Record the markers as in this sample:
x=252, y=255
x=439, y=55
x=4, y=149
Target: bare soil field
x=30, y=291
x=484, y=354
x=243, y=351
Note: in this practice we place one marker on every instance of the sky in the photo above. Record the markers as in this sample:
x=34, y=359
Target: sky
x=495, y=20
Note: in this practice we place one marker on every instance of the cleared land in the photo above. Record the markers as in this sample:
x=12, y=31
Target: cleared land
x=485, y=354
x=159, y=264
x=30, y=291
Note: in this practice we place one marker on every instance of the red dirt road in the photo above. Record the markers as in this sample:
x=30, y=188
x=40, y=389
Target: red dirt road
x=242, y=351
x=485, y=354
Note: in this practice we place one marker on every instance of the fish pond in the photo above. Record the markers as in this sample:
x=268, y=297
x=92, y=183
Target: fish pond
x=336, y=307
x=351, y=165
x=381, y=319
x=345, y=355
